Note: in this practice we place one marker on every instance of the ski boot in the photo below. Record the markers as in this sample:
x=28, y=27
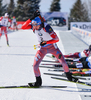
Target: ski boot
x=7, y=43
x=70, y=78
x=38, y=82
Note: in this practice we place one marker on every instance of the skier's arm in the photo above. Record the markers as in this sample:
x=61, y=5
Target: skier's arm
x=26, y=25
x=9, y=20
x=1, y=25
x=1, y=18
x=55, y=38
x=86, y=52
x=52, y=34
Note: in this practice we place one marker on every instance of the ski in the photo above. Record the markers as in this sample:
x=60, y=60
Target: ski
x=53, y=57
x=79, y=77
x=78, y=82
x=58, y=67
x=60, y=70
x=27, y=86
x=56, y=70
x=56, y=64
x=54, y=74
x=56, y=61
x=50, y=67
x=50, y=61
x=52, y=64
x=21, y=86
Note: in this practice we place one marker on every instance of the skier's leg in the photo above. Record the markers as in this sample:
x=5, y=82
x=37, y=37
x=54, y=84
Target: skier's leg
x=5, y=32
x=38, y=58
x=1, y=29
x=57, y=53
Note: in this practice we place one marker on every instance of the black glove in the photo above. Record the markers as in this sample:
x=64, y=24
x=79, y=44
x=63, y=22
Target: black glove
x=70, y=78
x=43, y=43
x=1, y=25
x=35, y=14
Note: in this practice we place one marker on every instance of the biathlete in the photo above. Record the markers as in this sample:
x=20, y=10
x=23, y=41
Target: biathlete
x=84, y=53
x=14, y=23
x=4, y=22
x=84, y=62
x=81, y=63
x=47, y=39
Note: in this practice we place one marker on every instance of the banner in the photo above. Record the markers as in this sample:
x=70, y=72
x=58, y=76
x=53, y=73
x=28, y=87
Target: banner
x=19, y=25
x=82, y=25
x=56, y=18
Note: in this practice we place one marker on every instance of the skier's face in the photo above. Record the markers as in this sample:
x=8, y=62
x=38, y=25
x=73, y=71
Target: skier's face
x=6, y=17
x=36, y=27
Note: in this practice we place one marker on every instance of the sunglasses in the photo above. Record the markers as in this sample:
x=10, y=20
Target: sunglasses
x=34, y=24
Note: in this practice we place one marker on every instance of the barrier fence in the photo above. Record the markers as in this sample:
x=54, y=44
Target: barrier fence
x=19, y=25
x=82, y=34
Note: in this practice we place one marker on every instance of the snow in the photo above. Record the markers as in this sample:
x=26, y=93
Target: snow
x=16, y=69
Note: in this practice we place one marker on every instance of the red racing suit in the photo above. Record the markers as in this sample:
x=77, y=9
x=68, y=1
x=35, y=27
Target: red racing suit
x=4, y=21
x=47, y=34
x=84, y=53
